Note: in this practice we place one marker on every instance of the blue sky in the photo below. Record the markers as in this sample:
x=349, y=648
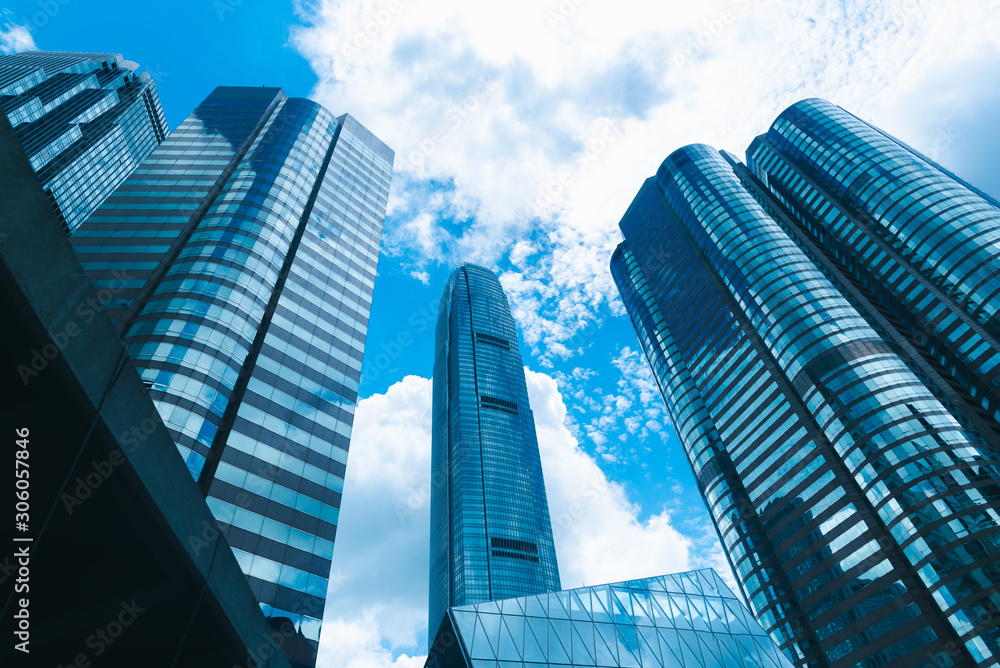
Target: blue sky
x=522, y=130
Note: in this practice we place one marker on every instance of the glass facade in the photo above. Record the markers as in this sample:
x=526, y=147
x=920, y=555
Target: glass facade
x=491, y=535
x=686, y=620
x=238, y=263
x=85, y=121
x=920, y=244
x=854, y=489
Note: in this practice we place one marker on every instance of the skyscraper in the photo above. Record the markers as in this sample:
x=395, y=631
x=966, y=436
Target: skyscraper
x=85, y=120
x=238, y=263
x=153, y=585
x=491, y=535
x=848, y=460
x=920, y=246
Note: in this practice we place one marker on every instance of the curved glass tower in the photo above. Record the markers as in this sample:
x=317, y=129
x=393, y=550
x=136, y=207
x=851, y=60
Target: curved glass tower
x=85, y=120
x=238, y=263
x=856, y=496
x=919, y=243
x=491, y=536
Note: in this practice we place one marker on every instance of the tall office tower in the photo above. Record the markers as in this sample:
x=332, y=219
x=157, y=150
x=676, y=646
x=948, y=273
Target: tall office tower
x=854, y=483
x=85, y=120
x=491, y=536
x=238, y=263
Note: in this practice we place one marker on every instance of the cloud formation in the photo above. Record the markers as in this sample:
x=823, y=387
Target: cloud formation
x=527, y=121
x=377, y=607
x=15, y=38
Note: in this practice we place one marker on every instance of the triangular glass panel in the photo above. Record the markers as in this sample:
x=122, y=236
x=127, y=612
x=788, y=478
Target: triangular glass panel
x=672, y=584
x=532, y=652
x=726, y=618
x=699, y=613
x=709, y=645
x=671, y=661
x=606, y=645
x=597, y=610
x=679, y=611
x=492, y=625
x=511, y=606
x=688, y=583
x=738, y=622
x=556, y=608
x=622, y=606
x=641, y=611
x=690, y=650
x=628, y=647
x=534, y=606
x=583, y=644
x=733, y=620
x=466, y=622
x=537, y=631
x=578, y=609
x=508, y=649
x=716, y=615
x=674, y=616
x=563, y=597
x=670, y=647
x=655, y=584
x=559, y=641
x=748, y=647
x=710, y=583
x=590, y=598
x=731, y=652
x=767, y=652
x=518, y=629
x=488, y=606
x=482, y=648
x=660, y=616
x=649, y=647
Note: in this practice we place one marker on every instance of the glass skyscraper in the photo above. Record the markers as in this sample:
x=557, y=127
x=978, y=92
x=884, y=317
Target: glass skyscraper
x=85, y=121
x=822, y=326
x=238, y=263
x=491, y=535
x=685, y=620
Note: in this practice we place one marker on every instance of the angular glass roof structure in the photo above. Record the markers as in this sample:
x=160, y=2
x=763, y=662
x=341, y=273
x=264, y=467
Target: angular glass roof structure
x=686, y=620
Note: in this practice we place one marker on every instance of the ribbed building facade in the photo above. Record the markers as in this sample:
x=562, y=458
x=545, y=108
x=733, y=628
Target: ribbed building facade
x=85, y=120
x=491, y=535
x=820, y=326
x=238, y=263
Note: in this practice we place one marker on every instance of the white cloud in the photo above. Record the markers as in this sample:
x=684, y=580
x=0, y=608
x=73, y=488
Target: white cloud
x=541, y=120
x=598, y=536
x=360, y=643
x=621, y=411
x=376, y=616
x=16, y=38
x=381, y=555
